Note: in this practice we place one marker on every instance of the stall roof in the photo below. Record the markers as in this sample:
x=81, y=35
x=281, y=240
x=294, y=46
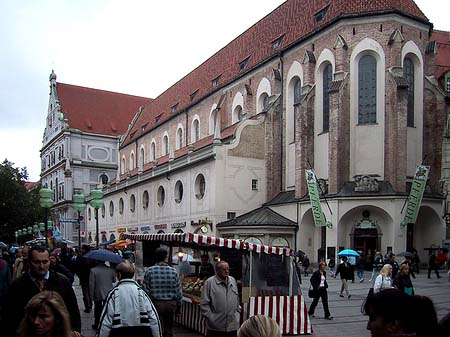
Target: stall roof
x=263, y=216
x=203, y=240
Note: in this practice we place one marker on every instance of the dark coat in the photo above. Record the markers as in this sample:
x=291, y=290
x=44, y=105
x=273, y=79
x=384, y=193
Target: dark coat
x=402, y=281
x=23, y=289
x=344, y=270
x=315, y=279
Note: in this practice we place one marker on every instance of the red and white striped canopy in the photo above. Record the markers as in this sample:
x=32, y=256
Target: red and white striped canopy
x=204, y=240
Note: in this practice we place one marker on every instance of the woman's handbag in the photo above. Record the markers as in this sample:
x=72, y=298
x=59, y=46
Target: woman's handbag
x=311, y=292
x=409, y=290
x=370, y=293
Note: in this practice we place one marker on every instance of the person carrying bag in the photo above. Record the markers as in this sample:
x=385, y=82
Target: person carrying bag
x=319, y=290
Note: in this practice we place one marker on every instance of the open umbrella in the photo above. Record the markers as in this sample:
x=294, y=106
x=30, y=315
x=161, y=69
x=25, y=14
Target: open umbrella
x=348, y=252
x=406, y=254
x=103, y=255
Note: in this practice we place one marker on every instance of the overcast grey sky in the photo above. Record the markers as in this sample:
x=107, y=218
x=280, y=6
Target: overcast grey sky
x=136, y=47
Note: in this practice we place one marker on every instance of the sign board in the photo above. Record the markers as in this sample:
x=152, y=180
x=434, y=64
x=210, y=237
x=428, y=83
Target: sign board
x=145, y=228
x=161, y=226
x=178, y=225
x=132, y=229
x=68, y=220
x=415, y=196
x=318, y=216
x=121, y=230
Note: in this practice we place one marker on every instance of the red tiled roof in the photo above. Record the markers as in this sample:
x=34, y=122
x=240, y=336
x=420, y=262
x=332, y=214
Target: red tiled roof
x=31, y=185
x=98, y=111
x=294, y=20
x=443, y=52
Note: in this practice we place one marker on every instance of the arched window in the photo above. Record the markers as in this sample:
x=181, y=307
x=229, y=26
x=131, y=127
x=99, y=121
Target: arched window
x=297, y=91
x=367, y=90
x=237, y=114
x=123, y=166
x=165, y=145
x=264, y=101
x=153, y=151
x=161, y=196
x=103, y=179
x=408, y=74
x=200, y=186
x=111, y=208
x=195, y=131
x=57, y=189
x=179, y=138
x=145, y=200
x=142, y=158
x=213, y=121
x=132, y=203
x=178, y=191
x=121, y=206
x=326, y=85
x=131, y=161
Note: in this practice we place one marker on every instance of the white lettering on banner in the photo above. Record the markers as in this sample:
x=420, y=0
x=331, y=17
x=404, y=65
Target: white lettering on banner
x=178, y=225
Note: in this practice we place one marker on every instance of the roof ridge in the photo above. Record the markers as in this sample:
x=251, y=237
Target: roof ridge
x=103, y=90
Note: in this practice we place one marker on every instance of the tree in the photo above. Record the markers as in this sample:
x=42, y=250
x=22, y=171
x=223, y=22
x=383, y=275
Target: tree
x=18, y=208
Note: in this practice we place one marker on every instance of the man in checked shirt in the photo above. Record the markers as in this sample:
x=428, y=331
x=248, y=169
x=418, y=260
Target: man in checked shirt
x=162, y=284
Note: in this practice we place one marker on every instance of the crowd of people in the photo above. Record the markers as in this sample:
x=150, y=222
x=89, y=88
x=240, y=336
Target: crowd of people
x=37, y=297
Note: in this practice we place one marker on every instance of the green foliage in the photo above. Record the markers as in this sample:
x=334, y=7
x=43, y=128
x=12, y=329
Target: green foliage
x=18, y=207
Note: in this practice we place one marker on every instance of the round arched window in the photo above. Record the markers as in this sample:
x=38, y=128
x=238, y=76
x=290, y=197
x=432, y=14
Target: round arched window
x=178, y=191
x=200, y=186
x=145, y=200
x=132, y=203
x=89, y=214
x=111, y=208
x=121, y=206
x=103, y=210
x=161, y=196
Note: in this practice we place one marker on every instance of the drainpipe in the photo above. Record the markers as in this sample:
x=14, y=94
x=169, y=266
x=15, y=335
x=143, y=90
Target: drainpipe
x=282, y=142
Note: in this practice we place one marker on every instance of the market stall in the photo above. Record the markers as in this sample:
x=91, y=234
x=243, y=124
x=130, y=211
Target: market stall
x=266, y=277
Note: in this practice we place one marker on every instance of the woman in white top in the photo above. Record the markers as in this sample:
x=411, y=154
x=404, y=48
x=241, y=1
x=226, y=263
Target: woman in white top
x=383, y=281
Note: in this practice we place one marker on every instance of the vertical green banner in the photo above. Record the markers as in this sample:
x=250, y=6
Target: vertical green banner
x=416, y=194
x=319, y=217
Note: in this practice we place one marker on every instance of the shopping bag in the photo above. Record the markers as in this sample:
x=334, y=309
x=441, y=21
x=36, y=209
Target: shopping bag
x=409, y=290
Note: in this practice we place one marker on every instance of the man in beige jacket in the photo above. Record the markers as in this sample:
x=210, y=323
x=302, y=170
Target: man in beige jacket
x=220, y=303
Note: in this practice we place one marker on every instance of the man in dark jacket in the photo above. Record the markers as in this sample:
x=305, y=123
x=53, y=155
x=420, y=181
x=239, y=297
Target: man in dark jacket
x=432, y=265
x=344, y=270
x=83, y=268
x=38, y=278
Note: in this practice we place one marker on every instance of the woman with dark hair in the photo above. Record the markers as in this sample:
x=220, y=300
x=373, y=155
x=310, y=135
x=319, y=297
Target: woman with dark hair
x=403, y=280
x=319, y=284
x=393, y=313
x=46, y=315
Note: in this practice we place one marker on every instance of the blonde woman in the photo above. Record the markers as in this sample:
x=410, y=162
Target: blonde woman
x=46, y=316
x=384, y=280
x=259, y=326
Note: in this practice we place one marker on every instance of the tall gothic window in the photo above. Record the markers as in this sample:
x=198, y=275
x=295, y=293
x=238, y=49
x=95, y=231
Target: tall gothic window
x=326, y=85
x=367, y=90
x=196, y=127
x=408, y=74
x=297, y=91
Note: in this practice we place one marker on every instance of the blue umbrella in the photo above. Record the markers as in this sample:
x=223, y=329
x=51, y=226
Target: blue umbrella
x=348, y=252
x=104, y=255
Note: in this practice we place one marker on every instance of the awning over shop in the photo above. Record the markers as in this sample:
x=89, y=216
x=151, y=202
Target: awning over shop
x=209, y=241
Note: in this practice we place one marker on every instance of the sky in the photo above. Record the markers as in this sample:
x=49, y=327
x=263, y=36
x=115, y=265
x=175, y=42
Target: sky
x=137, y=47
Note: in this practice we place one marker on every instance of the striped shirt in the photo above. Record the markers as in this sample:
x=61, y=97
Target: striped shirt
x=162, y=283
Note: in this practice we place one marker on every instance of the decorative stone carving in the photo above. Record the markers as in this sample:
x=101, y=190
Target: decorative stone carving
x=323, y=186
x=366, y=183
x=366, y=224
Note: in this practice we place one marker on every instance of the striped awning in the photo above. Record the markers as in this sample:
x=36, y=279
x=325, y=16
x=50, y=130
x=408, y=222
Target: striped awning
x=204, y=240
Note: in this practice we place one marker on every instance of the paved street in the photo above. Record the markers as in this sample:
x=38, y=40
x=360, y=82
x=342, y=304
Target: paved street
x=348, y=320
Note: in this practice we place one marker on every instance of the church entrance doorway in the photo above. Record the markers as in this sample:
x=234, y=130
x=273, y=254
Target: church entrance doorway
x=365, y=240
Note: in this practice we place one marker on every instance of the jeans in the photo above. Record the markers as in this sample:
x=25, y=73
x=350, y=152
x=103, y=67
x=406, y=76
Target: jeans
x=361, y=274
x=166, y=311
x=321, y=292
x=344, y=286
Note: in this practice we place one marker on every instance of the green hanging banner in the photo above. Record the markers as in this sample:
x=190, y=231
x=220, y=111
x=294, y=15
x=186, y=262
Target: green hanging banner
x=319, y=217
x=415, y=196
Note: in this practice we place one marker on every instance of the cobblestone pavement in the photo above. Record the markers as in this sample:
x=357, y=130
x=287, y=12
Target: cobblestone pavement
x=348, y=320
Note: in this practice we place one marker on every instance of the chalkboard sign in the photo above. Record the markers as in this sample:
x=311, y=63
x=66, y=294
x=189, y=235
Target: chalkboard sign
x=234, y=259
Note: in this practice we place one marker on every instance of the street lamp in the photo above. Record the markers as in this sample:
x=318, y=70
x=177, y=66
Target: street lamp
x=35, y=230
x=79, y=205
x=19, y=234
x=46, y=202
x=96, y=202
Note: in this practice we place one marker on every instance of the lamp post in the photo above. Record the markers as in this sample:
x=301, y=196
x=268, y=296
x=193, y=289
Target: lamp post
x=96, y=202
x=46, y=202
x=19, y=235
x=79, y=205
